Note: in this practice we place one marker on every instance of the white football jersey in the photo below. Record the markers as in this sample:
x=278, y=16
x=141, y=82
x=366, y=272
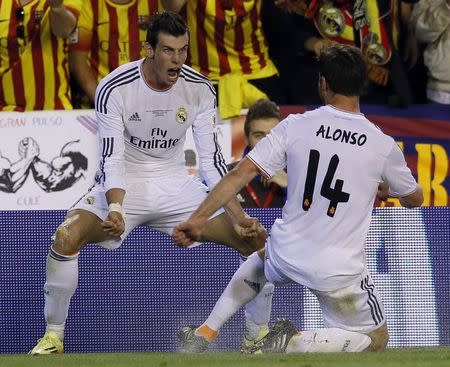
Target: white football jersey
x=335, y=162
x=142, y=131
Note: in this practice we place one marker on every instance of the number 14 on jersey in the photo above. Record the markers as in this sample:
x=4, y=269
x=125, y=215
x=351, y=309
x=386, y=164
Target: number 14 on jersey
x=334, y=194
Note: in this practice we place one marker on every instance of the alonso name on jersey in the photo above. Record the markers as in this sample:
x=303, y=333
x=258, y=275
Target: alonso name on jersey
x=341, y=135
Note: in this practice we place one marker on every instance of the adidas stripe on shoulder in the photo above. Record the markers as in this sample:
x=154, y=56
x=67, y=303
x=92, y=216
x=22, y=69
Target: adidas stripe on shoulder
x=117, y=78
x=193, y=76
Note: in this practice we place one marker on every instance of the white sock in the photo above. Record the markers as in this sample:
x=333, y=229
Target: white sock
x=57, y=329
x=328, y=341
x=257, y=311
x=61, y=283
x=245, y=284
x=253, y=330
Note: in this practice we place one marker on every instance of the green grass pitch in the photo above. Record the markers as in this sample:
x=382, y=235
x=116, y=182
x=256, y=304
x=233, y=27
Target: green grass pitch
x=423, y=357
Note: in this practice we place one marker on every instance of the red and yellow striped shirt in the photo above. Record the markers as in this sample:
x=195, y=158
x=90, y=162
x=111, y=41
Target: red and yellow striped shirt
x=34, y=71
x=227, y=37
x=113, y=34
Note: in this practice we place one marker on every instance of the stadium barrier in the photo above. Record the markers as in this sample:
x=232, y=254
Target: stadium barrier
x=136, y=298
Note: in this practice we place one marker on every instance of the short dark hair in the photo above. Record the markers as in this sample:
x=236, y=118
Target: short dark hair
x=344, y=69
x=165, y=22
x=261, y=109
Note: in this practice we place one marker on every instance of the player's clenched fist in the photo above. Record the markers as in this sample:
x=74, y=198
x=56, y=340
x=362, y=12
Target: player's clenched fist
x=114, y=224
x=250, y=228
x=186, y=233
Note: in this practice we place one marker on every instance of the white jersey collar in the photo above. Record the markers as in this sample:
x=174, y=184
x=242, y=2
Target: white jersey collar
x=334, y=109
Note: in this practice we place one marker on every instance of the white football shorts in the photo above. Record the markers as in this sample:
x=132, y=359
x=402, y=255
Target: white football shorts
x=357, y=307
x=160, y=203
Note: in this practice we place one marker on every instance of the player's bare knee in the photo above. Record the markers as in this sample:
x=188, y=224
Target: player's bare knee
x=63, y=242
x=66, y=240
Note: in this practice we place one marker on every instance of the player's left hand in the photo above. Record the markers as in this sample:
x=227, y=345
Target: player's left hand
x=249, y=227
x=114, y=224
x=252, y=232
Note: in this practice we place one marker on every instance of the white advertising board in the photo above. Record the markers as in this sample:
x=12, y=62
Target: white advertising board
x=48, y=159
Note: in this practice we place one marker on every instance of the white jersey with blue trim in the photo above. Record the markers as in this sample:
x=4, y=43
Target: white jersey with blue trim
x=142, y=131
x=335, y=161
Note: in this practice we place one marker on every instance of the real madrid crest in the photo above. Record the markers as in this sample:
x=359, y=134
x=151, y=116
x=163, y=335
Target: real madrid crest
x=331, y=21
x=89, y=200
x=374, y=50
x=181, y=115
x=377, y=54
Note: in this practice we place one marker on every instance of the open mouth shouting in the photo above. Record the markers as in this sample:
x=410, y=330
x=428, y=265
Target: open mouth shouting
x=173, y=74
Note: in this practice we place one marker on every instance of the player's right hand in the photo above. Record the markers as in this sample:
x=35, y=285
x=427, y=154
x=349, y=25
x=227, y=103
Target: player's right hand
x=114, y=224
x=186, y=233
x=383, y=191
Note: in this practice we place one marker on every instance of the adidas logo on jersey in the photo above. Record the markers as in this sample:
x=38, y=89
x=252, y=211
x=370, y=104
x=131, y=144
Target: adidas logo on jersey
x=134, y=117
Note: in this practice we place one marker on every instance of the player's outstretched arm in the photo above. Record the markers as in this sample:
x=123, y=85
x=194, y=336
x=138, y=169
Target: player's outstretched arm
x=244, y=225
x=186, y=233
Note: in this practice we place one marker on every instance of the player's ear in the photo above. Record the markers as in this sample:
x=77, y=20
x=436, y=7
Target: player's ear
x=323, y=86
x=149, y=51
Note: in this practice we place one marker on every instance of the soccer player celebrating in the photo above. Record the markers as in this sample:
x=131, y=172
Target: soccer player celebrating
x=144, y=109
x=336, y=160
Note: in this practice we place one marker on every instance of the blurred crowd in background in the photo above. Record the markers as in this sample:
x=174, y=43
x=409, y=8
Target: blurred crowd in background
x=54, y=52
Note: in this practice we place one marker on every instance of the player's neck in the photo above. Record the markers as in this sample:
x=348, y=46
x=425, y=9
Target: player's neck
x=345, y=103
